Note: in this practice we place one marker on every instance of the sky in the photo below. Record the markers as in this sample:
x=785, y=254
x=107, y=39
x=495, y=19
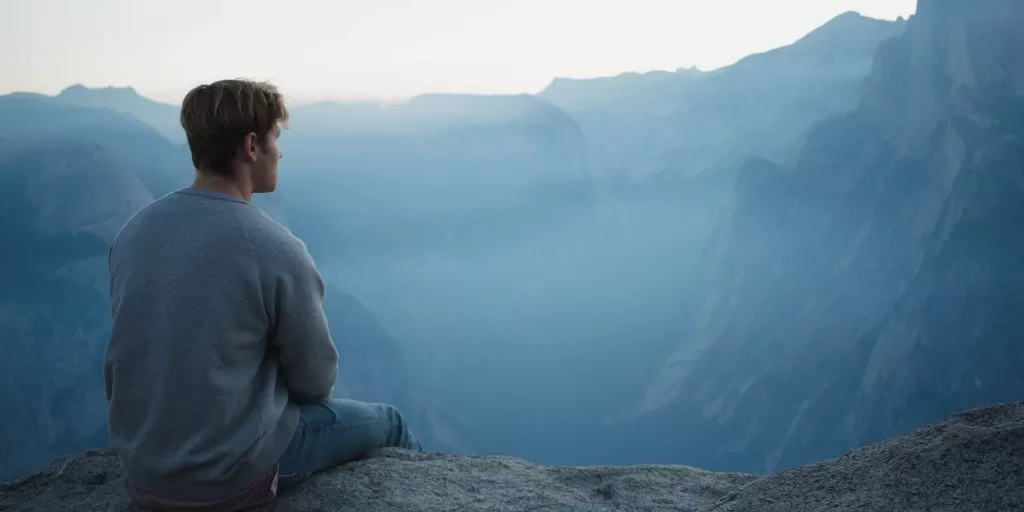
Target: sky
x=388, y=49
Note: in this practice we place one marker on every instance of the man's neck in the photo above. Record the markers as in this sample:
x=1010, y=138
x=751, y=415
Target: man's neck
x=224, y=185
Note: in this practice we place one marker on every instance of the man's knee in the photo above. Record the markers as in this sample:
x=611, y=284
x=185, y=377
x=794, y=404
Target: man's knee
x=401, y=434
x=391, y=412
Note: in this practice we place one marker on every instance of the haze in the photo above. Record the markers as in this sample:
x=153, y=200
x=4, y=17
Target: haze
x=810, y=250
x=321, y=49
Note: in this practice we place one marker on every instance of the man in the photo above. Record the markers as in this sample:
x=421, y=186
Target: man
x=220, y=366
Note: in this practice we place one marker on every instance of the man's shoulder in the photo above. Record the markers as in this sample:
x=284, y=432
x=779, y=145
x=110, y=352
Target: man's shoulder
x=272, y=240
x=266, y=229
x=141, y=219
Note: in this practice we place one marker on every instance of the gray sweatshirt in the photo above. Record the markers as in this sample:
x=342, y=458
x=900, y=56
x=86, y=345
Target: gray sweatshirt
x=218, y=334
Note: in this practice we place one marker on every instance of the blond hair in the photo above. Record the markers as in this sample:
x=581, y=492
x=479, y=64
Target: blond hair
x=217, y=117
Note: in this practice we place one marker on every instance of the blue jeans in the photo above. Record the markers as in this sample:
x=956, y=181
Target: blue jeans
x=340, y=431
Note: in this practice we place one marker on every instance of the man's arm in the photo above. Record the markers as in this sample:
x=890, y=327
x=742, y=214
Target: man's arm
x=308, y=357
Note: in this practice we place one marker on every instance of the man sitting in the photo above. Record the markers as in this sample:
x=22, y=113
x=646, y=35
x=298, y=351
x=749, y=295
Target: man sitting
x=220, y=366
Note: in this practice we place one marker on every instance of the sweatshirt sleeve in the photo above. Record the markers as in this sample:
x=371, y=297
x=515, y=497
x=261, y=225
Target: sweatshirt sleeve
x=307, y=355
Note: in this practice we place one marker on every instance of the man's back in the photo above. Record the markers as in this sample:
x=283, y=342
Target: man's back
x=207, y=291
x=220, y=367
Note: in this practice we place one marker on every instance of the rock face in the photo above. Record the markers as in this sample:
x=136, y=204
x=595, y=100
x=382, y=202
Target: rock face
x=973, y=461
x=874, y=287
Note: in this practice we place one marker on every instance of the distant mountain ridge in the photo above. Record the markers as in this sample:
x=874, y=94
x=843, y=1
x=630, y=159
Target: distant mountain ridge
x=692, y=122
x=161, y=116
x=622, y=92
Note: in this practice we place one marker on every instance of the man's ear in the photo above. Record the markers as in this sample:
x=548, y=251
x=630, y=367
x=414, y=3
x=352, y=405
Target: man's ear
x=249, y=146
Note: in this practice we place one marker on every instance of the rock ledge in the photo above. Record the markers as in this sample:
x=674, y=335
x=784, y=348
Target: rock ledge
x=973, y=461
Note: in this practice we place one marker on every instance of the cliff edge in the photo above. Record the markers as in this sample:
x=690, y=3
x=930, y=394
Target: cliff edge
x=973, y=461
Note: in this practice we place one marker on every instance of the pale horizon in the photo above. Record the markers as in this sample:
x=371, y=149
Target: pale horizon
x=389, y=49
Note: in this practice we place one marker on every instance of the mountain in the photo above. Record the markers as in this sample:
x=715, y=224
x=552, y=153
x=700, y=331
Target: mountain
x=629, y=93
x=668, y=147
x=132, y=145
x=69, y=178
x=61, y=200
x=161, y=116
x=690, y=122
x=435, y=167
x=874, y=286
